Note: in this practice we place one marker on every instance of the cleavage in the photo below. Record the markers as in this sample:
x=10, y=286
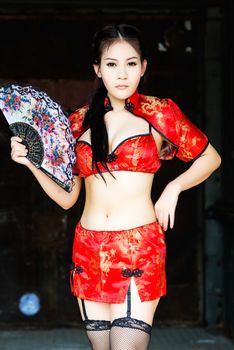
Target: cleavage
x=119, y=129
x=86, y=138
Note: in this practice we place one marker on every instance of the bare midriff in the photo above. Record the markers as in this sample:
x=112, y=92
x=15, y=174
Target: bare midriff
x=121, y=203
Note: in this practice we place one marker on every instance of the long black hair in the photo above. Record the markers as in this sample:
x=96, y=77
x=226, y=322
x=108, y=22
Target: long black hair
x=94, y=117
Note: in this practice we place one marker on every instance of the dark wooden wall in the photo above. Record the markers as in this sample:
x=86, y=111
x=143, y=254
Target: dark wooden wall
x=36, y=236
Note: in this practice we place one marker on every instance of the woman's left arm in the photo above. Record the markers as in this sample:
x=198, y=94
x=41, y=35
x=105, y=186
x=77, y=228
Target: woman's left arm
x=199, y=171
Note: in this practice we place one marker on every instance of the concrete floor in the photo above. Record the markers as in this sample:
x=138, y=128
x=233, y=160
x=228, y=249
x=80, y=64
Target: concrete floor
x=163, y=338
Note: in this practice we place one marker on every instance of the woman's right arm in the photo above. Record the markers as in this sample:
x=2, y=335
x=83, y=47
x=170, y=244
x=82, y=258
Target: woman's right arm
x=55, y=192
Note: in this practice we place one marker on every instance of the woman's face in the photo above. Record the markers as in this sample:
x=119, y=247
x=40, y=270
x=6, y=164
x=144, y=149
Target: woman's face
x=121, y=70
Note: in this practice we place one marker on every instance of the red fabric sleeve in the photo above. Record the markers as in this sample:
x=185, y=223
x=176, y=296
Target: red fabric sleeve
x=76, y=124
x=188, y=141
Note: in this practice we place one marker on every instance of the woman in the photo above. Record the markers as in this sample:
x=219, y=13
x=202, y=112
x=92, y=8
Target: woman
x=118, y=273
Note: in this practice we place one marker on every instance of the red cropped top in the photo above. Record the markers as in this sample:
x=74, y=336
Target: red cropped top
x=136, y=153
x=139, y=153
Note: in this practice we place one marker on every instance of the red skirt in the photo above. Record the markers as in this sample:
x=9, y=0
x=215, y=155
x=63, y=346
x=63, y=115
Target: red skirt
x=105, y=261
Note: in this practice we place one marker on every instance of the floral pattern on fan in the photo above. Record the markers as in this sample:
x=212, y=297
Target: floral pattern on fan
x=25, y=107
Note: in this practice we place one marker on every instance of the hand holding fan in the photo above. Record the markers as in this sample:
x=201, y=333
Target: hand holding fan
x=43, y=125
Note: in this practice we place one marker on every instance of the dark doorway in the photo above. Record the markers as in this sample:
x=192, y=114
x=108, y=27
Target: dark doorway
x=52, y=53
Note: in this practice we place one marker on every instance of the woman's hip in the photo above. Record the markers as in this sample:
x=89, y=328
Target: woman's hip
x=105, y=261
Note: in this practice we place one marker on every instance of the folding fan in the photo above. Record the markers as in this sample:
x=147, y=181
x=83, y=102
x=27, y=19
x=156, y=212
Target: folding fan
x=44, y=127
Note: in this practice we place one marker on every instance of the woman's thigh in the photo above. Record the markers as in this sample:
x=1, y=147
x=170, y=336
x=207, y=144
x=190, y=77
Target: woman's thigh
x=94, y=310
x=143, y=311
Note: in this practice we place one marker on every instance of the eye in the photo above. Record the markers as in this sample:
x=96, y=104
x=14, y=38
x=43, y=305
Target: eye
x=131, y=64
x=111, y=64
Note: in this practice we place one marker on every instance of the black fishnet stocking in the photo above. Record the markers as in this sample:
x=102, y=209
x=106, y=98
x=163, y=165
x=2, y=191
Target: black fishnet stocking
x=98, y=333
x=129, y=334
